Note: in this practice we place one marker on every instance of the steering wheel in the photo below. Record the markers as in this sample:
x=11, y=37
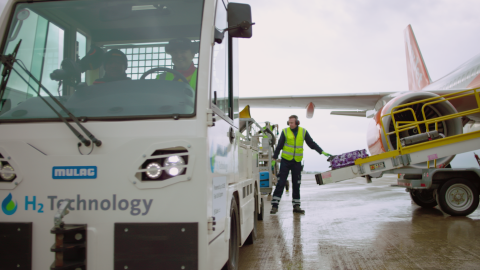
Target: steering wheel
x=177, y=75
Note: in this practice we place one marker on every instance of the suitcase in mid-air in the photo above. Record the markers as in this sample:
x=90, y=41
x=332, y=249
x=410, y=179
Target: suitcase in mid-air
x=346, y=159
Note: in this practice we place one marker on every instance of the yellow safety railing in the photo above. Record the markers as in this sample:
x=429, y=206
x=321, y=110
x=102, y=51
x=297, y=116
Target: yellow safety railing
x=401, y=126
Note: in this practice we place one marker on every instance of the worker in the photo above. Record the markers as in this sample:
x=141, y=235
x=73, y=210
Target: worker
x=182, y=51
x=267, y=125
x=115, y=64
x=291, y=144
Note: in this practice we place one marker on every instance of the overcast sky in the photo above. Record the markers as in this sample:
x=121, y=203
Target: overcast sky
x=339, y=46
x=343, y=46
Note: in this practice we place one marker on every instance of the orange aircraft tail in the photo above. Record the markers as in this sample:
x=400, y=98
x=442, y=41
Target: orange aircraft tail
x=418, y=76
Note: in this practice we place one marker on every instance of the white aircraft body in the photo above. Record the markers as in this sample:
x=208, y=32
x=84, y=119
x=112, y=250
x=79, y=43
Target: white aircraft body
x=376, y=104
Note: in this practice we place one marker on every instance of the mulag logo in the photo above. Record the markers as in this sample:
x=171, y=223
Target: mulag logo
x=74, y=172
x=9, y=207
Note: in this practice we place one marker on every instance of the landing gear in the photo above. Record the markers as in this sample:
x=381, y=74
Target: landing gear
x=458, y=197
x=424, y=198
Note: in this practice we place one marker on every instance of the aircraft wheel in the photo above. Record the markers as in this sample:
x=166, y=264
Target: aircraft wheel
x=424, y=198
x=458, y=197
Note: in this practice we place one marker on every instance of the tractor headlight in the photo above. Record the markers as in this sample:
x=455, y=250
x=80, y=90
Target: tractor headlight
x=153, y=170
x=174, y=171
x=7, y=172
x=174, y=161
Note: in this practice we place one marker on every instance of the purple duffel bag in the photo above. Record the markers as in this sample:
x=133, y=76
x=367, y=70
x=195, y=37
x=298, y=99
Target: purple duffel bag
x=347, y=159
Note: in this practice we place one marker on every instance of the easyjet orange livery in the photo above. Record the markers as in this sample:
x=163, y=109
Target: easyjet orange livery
x=375, y=105
x=418, y=76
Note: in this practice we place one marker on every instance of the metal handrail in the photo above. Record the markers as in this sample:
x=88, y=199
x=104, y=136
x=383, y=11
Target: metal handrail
x=436, y=120
x=446, y=99
x=412, y=124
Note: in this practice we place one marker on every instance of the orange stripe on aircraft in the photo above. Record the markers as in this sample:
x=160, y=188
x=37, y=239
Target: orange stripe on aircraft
x=475, y=83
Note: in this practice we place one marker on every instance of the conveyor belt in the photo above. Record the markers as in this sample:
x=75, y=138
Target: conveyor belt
x=428, y=151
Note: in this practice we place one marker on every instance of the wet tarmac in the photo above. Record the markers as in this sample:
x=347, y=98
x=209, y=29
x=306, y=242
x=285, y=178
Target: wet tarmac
x=355, y=225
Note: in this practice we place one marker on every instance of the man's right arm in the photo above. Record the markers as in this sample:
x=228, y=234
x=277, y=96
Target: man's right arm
x=280, y=144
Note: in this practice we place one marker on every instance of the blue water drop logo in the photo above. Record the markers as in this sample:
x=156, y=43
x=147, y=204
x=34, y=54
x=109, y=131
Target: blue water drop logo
x=212, y=158
x=9, y=207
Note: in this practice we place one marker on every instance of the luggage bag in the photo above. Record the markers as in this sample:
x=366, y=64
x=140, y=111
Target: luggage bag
x=346, y=159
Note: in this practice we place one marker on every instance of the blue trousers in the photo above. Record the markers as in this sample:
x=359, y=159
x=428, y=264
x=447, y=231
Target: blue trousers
x=285, y=167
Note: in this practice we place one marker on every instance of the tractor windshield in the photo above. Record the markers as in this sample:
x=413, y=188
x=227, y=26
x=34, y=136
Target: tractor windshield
x=132, y=59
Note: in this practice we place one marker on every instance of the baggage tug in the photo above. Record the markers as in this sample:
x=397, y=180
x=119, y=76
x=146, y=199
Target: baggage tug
x=134, y=174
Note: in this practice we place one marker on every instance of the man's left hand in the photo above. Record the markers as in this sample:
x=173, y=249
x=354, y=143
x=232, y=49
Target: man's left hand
x=326, y=154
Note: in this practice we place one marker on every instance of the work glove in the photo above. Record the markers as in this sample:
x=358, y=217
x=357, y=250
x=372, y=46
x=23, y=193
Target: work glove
x=273, y=162
x=326, y=154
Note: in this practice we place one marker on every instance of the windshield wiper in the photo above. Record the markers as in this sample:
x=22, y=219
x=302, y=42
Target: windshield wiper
x=8, y=61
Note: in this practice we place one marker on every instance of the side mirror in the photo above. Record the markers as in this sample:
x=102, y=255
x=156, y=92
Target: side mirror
x=239, y=20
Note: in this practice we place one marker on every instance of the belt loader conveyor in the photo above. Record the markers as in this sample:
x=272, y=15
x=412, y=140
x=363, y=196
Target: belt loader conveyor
x=428, y=151
x=396, y=162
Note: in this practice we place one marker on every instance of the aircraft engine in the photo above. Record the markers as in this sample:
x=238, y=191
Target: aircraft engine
x=448, y=128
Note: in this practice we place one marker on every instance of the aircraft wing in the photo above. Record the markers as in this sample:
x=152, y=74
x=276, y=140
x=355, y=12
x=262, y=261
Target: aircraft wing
x=352, y=104
x=353, y=101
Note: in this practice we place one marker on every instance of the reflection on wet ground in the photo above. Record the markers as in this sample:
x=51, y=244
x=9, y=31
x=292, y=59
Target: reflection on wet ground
x=355, y=225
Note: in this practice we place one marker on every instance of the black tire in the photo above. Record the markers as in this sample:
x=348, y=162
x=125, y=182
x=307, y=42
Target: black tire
x=458, y=197
x=260, y=215
x=424, y=198
x=253, y=234
x=234, y=242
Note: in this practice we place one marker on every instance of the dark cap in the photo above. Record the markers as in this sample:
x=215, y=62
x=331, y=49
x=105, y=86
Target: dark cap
x=115, y=53
x=181, y=44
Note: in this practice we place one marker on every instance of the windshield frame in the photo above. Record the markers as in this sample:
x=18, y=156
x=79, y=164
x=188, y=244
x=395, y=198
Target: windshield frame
x=6, y=30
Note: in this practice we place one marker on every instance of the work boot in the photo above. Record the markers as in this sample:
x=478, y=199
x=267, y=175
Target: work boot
x=297, y=209
x=274, y=210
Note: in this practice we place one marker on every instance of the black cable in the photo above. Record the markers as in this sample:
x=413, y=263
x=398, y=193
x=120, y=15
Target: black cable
x=79, y=145
x=272, y=140
x=59, y=85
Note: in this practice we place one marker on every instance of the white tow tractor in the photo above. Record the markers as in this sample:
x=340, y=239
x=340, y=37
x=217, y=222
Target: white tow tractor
x=144, y=173
x=456, y=191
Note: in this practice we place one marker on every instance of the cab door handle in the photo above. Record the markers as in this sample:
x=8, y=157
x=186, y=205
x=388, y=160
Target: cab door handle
x=231, y=135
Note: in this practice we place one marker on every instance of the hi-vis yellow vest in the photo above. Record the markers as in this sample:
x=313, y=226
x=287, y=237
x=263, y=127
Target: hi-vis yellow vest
x=293, y=147
x=192, y=78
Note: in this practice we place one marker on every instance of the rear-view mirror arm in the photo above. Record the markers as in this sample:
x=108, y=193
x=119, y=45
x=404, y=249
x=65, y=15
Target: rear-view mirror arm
x=219, y=35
